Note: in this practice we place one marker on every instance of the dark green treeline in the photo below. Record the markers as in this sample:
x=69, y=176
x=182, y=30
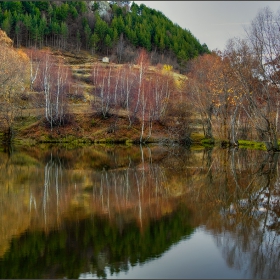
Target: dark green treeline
x=114, y=28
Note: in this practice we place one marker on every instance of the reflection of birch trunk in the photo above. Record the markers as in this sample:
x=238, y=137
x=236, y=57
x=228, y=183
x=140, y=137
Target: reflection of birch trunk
x=233, y=169
x=58, y=170
x=209, y=163
x=32, y=199
x=116, y=192
x=108, y=197
x=46, y=189
x=127, y=181
x=150, y=160
x=108, y=186
x=53, y=171
x=156, y=183
x=101, y=191
x=234, y=175
x=143, y=168
x=139, y=199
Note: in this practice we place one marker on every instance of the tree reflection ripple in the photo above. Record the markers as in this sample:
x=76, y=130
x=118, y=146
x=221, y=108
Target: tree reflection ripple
x=96, y=209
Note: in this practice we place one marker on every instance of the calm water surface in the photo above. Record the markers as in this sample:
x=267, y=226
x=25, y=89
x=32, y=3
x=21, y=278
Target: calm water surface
x=139, y=212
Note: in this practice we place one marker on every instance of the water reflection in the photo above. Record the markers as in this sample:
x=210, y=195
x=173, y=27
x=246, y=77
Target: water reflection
x=245, y=194
x=105, y=209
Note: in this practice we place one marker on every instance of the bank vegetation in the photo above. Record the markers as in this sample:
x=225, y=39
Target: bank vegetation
x=230, y=96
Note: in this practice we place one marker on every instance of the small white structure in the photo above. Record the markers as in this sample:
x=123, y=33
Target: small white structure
x=105, y=59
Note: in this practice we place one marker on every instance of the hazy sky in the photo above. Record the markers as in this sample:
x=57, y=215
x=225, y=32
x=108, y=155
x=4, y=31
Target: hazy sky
x=212, y=22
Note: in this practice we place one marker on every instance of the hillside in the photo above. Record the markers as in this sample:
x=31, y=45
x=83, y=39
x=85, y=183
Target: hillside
x=52, y=92
x=88, y=124
x=113, y=28
x=60, y=96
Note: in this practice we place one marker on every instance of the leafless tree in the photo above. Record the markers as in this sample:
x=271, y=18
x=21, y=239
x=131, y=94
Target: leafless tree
x=264, y=40
x=54, y=80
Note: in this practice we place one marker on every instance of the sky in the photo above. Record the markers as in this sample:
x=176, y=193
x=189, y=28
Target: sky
x=212, y=22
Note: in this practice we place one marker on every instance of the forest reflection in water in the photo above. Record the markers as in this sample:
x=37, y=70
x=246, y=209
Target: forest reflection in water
x=64, y=212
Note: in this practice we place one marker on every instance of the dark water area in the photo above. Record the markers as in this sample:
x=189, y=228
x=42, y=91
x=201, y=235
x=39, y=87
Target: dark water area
x=139, y=212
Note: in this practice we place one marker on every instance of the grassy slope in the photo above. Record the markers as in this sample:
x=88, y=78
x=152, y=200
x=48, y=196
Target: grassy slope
x=85, y=125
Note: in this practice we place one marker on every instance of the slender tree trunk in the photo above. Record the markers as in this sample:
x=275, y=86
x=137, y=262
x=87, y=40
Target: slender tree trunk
x=208, y=128
x=232, y=139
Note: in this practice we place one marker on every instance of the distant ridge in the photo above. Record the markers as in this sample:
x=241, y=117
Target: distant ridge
x=112, y=28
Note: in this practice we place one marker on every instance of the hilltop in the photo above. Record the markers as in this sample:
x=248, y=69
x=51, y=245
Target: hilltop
x=112, y=28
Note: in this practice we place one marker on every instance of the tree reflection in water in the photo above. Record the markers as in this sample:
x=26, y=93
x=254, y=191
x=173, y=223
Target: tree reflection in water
x=256, y=219
x=245, y=193
x=90, y=208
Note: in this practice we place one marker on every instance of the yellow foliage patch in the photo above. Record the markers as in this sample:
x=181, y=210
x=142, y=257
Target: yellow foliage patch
x=5, y=40
x=167, y=67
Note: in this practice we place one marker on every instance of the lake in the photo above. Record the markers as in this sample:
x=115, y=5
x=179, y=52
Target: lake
x=139, y=212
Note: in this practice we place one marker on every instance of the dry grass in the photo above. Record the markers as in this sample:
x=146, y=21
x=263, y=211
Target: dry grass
x=84, y=124
x=88, y=128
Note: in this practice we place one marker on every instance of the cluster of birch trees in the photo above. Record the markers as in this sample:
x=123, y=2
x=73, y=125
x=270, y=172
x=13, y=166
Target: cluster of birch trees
x=31, y=71
x=52, y=77
x=143, y=95
x=236, y=91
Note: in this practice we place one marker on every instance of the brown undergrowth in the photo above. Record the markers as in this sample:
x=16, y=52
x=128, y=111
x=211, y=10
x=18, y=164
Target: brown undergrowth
x=91, y=128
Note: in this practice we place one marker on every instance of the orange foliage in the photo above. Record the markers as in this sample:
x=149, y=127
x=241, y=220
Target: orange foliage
x=13, y=75
x=5, y=40
x=12, y=65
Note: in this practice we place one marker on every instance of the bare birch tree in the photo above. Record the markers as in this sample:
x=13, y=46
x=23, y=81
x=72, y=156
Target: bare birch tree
x=54, y=80
x=264, y=40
